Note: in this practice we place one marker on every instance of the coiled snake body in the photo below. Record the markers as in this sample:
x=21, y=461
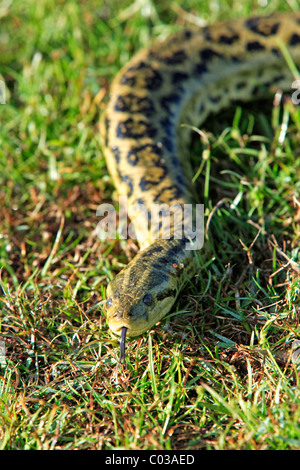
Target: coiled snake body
x=180, y=81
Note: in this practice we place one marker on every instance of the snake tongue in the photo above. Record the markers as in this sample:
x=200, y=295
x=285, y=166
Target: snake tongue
x=122, y=343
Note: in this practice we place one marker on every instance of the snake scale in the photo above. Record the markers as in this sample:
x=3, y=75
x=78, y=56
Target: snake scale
x=180, y=81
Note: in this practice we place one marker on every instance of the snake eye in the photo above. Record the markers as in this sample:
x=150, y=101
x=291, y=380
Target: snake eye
x=147, y=299
x=109, y=302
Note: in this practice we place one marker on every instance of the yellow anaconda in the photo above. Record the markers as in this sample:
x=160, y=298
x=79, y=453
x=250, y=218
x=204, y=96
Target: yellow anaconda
x=180, y=81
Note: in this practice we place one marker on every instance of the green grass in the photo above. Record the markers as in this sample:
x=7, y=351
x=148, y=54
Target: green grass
x=217, y=374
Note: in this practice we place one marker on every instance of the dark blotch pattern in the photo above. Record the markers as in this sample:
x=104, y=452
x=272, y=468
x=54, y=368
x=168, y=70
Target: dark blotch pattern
x=153, y=250
x=215, y=99
x=188, y=34
x=106, y=127
x=174, y=190
x=278, y=79
x=241, y=85
x=200, y=69
x=230, y=39
x=235, y=59
x=178, y=77
x=167, y=293
x=209, y=54
x=134, y=104
x=168, y=143
x=153, y=79
x=154, y=178
x=275, y=52
x=126, y=179
x=180, y=178
x=168, y=100
x=128, y=79
x=168, y=126
x=134, y=129
x=254, y=46
x=261, y=26
x=140, y=153
x=175, y=58
x=116, y=151
x=294, y=40
x=146, y=183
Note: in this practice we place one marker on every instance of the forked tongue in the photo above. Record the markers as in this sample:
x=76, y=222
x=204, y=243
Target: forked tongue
x=122, y=343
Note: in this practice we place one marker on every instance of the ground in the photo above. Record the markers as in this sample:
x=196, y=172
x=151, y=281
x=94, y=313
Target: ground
x=217, y=373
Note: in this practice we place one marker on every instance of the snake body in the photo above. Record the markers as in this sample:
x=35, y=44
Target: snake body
x=180, y=81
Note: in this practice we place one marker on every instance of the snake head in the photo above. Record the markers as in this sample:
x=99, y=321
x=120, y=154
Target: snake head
x=141, y=294
x=138, y=306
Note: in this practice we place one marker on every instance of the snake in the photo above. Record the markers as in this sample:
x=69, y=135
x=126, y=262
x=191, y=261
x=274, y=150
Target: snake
x=154, y=103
